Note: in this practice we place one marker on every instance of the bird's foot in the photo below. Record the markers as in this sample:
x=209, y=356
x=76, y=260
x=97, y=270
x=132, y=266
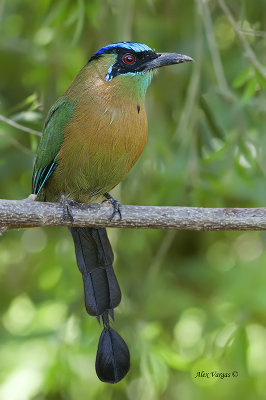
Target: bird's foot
x=67, y=204
x=115, y=204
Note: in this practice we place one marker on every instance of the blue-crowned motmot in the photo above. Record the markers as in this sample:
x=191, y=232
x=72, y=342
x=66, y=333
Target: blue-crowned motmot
x=93, y=135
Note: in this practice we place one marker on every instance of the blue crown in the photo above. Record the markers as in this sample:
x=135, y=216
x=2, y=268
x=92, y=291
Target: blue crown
x=137, y=47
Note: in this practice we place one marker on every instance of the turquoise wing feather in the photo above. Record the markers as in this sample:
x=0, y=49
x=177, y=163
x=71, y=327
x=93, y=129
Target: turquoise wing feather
x=53, y=135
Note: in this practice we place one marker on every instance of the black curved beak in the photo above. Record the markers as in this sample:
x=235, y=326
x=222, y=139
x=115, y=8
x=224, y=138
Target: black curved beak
x=167, y=59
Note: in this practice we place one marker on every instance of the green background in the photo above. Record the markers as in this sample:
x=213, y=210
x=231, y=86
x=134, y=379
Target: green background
x=192, y=301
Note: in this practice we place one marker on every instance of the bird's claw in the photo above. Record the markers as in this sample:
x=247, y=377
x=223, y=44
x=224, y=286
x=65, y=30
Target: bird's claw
x=67, y=204
x=115, y=204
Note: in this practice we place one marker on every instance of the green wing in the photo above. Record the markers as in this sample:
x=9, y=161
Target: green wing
x=53, y=135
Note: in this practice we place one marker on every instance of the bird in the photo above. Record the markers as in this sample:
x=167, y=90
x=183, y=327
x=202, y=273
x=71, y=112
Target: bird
x=93, y=135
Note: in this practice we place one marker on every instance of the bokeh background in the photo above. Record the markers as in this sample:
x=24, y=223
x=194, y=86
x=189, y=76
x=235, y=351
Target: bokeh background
x=192, y=301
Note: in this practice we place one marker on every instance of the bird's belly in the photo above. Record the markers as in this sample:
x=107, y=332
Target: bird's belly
x=101, y=151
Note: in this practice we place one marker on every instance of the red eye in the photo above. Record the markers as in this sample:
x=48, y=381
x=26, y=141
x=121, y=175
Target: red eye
x=129, y=59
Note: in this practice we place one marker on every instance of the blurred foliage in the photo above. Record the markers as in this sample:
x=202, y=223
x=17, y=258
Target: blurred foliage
x=192, y=301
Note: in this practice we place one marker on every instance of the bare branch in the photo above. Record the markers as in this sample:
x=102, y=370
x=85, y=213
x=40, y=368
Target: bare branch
x=250, y=53
x=216, y=59
x=252, y=32
x=28, y=214
x=19, y=126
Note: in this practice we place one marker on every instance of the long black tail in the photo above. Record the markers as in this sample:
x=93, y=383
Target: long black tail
x=102, y=294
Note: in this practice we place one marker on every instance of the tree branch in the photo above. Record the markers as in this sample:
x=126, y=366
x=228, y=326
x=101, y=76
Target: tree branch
x=19, y=126
x=250, y=53
x=26, y=213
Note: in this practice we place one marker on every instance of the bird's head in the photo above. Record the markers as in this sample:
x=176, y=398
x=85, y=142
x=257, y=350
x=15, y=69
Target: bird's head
x=130, y=65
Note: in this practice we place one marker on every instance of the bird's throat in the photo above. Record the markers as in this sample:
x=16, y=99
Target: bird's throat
x=132, y=86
